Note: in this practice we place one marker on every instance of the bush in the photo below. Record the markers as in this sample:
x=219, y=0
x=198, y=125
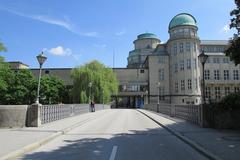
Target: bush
x=230, y=102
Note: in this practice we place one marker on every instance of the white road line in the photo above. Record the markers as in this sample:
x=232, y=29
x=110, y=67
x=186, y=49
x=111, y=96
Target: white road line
x=113, y=154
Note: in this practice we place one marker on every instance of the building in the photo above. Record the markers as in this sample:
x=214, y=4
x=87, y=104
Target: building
x=171, y=72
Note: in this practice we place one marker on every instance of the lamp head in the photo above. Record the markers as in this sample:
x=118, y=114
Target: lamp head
x=41, y=58
x=203, y=57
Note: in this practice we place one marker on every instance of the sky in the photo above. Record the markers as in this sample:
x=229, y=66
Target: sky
x=74, y=32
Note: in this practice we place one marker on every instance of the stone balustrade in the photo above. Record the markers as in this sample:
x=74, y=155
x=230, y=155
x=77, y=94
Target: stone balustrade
x=36, y=114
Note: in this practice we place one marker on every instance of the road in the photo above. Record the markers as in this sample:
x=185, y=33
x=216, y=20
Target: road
x=117, y=134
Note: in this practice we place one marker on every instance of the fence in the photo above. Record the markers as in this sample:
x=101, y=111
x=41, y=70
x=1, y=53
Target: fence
x=50, y=113
x=191, y=113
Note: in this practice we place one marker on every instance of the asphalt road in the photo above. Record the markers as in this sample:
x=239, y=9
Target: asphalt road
x=118, y=134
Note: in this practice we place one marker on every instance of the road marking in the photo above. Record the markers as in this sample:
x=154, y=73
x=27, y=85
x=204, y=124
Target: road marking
x=113, y=154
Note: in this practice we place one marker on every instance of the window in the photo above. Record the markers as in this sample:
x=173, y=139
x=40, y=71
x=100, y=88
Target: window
x=176, y=87
x=175, y=48
x=208, y=60
x=226, y=74
x=189, y=84
x=236, y=89
x=217, y=93
x=208, y=92
x=188, y=47
x=195, y=63
x=216, y=75
x=235, y=75
x=194, y=47
x=175, y=67
x=215, y=60
x=161, y=93
x=227, y=90
x=47, y=71
x=196, y=83
x=182, y=65
x=182, y=85
x=161, y=74
x=142, y=71
x=225, y=60
x=206, y=74
x=181, y=48
x=188, y=63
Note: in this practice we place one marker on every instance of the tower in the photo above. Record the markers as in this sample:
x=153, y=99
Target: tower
x=144, y=45
x=183, y=48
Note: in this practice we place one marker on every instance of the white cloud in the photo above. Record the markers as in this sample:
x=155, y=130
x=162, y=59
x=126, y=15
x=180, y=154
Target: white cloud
x=60, y=51
x=64, y=23
x=120, y=33
x=225, y=29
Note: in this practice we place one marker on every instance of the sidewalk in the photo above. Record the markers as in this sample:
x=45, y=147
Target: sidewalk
x=17, y=141
x=224, y=144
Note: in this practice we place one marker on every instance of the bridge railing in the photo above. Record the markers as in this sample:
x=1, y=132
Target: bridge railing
x=191, y=113
x=50, y=113
x=38, y=114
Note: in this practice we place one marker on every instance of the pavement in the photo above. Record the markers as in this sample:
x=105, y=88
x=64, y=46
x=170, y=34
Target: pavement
x=18, y=141
x=217, y=144
x=119, y=134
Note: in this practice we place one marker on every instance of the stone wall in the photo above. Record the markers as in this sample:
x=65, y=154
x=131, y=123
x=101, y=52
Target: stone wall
x=13, y=115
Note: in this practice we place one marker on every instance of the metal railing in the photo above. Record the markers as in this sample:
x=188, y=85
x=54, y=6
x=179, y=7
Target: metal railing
x=50, y=113
x=191, y=113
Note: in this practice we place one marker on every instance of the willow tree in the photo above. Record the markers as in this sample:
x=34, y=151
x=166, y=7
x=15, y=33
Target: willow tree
x=93, y=81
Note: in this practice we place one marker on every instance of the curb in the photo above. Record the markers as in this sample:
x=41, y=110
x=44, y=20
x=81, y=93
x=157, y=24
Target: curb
x=30, y=147
x=186, y=140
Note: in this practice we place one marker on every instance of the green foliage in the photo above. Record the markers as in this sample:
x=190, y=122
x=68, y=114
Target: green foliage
x=20, y=87
x=2, y=47
x=52, y=90
x=103, y=80
x=16, y=87
x=233, y=50
x=230, y=102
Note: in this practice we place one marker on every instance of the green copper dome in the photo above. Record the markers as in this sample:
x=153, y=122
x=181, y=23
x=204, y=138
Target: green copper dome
x=147, y=35
x=182, y=19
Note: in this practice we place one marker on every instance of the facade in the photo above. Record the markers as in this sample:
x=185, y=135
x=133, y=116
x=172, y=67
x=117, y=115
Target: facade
x=171, y=72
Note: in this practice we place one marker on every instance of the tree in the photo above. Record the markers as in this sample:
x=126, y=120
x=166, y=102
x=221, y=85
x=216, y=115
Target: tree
x=104, y=83
x=16, y=87
x=52, y=90
x=233, y=50
x=2, y=47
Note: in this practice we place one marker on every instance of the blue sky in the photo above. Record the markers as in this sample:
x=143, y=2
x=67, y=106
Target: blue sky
x=74, y=32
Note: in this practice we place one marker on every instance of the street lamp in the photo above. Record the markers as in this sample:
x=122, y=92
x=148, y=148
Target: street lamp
x=103, y=98
x=41, y=59
x=203, y=58
x=158, y=86
x=90, y=92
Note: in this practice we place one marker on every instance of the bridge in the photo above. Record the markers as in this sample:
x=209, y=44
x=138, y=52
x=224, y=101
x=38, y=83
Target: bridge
x=72, y=132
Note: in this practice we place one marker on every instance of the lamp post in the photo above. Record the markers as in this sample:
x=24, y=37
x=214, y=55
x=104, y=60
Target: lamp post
x=41, y=59
x=158, y=103
x=103, y=98
x=203, y=58
x=90, y=92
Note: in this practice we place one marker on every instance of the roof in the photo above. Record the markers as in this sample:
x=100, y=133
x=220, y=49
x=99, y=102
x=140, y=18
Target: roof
x=182, y=19
x=214, y=42
x=147, y=35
